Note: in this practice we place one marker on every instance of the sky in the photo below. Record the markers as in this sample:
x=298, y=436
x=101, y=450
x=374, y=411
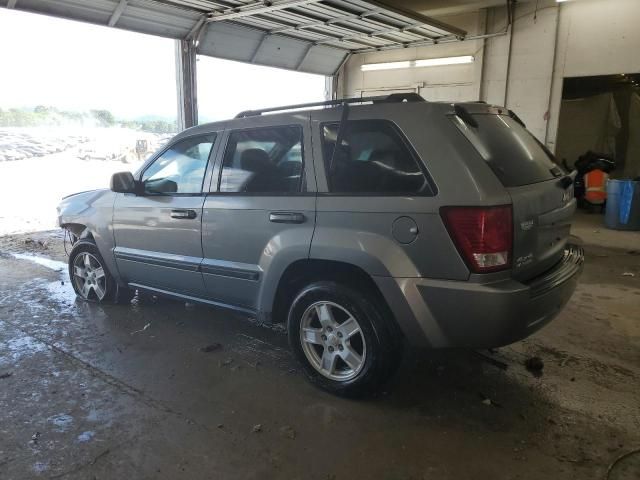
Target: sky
x=76, y=66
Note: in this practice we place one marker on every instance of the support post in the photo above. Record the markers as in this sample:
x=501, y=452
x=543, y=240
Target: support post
x=186, y=84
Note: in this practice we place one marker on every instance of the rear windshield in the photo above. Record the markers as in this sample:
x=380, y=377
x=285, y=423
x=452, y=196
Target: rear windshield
x=514, y=154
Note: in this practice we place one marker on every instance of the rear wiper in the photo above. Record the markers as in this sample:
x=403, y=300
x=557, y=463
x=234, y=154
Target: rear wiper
x=567, y=180
x=556, y=171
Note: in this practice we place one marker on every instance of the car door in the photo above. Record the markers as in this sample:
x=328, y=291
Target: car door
x=260, y=213
x=158, y=231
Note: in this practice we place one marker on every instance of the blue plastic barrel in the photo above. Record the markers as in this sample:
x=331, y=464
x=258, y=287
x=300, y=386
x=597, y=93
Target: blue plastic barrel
x=623, y=205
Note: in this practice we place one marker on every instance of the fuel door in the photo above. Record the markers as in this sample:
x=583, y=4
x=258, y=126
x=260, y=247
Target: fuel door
x=404, y=230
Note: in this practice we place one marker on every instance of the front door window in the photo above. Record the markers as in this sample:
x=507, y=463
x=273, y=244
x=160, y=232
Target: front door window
x=181, y=168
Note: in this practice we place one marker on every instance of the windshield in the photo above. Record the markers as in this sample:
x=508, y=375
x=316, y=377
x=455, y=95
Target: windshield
x=514, y=154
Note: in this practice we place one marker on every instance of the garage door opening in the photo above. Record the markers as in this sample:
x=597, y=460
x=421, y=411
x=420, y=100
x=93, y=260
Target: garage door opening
x=226, y=88
x=87, y=102
x=601, y=114
x=74, y=112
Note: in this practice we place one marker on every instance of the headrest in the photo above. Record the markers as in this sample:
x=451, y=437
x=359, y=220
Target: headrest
x=255, y=160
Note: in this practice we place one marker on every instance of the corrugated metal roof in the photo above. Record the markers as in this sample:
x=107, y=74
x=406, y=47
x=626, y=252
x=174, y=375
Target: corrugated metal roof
x=307, y=35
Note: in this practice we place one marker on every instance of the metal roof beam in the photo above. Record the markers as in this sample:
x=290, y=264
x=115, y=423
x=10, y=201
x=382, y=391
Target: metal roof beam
x=387, y=31
x=197, y=29
x=255, y=8
x=391, y=10
x=411, y=23
x=421, y=43
x=328, y=37
x=331, y=21
x=117, y=13
x=432, y=30
x=291, y=29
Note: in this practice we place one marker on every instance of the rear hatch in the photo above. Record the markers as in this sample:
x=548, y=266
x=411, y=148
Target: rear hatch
x=542, y=196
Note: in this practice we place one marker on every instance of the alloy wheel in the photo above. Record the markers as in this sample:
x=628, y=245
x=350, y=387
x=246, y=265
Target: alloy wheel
x=89, y=277
x=332, y=341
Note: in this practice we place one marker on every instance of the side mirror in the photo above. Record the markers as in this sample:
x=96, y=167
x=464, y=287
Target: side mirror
x=123, y=182
x=162, y=186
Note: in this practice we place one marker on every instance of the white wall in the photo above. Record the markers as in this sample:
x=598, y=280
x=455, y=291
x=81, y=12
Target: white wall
x=548, y=43
x=529, y=60
x=455, y=82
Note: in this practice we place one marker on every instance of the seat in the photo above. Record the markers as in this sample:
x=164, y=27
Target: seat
x=257, y=161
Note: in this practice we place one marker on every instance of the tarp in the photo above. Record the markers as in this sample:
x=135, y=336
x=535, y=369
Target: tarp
x=590, y=123
x=632, y=162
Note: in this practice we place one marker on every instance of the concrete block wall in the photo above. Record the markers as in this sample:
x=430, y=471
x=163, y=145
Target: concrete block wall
x=522, y=69
x=519, y=73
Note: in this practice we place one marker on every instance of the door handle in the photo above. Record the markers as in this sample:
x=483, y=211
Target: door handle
x=286, y=217
x=184, y=214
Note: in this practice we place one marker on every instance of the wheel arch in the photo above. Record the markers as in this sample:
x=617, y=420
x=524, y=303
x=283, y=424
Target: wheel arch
x=101, y=239
x=301, y=272
x=79, y=230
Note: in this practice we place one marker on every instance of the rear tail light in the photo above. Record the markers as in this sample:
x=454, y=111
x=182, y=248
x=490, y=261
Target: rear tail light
x=483, y=235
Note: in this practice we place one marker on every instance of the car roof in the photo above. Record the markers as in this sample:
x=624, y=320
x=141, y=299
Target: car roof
x=365, y=107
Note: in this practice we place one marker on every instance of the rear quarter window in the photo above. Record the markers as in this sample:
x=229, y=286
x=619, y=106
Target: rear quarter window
x=515, y=155
x=373, y=158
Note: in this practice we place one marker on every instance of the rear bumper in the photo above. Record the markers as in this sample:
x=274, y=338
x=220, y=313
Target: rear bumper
x=441, y=313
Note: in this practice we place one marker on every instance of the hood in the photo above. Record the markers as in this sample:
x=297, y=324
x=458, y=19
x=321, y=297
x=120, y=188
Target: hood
x=82, y=193
x=73, y=207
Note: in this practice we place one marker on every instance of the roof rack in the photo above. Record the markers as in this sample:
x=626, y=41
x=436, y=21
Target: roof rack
x=392, y=98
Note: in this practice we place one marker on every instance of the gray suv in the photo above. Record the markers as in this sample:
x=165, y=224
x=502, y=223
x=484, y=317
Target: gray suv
x=361, y=224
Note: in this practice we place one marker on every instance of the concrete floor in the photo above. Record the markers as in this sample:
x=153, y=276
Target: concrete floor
x=116, y=392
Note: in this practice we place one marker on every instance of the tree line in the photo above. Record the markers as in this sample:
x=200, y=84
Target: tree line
x=50, y=116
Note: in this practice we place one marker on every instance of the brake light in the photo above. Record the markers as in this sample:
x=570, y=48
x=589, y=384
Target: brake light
x=483, y=235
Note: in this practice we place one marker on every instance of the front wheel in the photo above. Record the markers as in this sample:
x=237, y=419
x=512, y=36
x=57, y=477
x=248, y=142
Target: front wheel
x=90, y=277
x=342, y=339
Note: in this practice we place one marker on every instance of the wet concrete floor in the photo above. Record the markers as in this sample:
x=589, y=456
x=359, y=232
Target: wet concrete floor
x=114, y=392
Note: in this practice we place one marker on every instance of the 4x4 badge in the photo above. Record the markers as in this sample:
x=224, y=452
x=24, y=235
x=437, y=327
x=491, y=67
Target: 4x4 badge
x=526, y=225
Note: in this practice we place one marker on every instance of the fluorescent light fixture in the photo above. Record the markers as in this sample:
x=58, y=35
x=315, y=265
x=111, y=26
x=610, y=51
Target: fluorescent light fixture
x=435, y=62
x=368, y=67
x=427, y=62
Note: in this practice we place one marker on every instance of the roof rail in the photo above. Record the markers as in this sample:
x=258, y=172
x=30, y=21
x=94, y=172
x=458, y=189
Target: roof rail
x=392, y=98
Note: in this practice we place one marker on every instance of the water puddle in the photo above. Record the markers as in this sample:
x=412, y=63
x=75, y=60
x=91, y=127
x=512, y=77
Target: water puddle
x=62, y=421
x=40, y=467
x=43, y=261
x=85, y=436
x=61, y=293
x=21, y=346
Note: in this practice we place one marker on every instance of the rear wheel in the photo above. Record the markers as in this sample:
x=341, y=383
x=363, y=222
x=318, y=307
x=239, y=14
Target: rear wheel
x=91, y=279
x=342, y=339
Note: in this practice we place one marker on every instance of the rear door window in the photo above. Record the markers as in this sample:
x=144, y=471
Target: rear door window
x=263, y=160
x=372, y=158
x=514, y=154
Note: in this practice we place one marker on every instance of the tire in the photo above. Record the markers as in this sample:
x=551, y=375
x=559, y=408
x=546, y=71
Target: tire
x=92, y=281
x=350, y=359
